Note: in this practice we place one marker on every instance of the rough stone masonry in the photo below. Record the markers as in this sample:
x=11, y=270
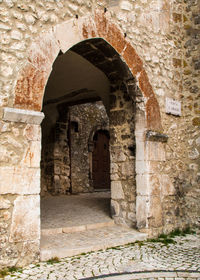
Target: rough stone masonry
x=152, y=53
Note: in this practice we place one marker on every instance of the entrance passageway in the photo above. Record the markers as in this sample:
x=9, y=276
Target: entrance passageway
x=75, y=212
x=88, y=178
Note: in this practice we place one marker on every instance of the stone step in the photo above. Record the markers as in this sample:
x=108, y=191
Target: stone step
x=70, y=244
x=71, y=229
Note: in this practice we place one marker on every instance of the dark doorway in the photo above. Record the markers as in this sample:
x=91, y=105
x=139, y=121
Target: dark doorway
x=101, y=161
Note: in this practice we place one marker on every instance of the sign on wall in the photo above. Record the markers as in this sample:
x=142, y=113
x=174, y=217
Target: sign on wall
x=173, y=107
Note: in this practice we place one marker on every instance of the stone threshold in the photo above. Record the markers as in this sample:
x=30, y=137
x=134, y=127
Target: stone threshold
x=64, y=245
x=53, y=231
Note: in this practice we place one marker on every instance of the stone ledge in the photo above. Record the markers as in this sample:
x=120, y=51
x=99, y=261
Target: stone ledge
x=24, y=116
x=156, y=136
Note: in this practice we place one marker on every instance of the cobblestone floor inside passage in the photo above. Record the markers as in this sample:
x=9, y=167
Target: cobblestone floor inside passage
x=141, y=260
x=64, y=211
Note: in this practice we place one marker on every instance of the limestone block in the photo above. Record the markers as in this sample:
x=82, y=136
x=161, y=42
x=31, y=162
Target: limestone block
x=114, y=168
x=24, y=116
x=167, y=187
x=131, y=216
x=114, y=177
x=25, y=223
x=6, y=71
x=19, y=180
x=115, y=209
x=147, y=166
x=68, y=39
x=140, y=150
x=43, y=51
x=6, y=215
x=155, y=212
x=155, y=151
x=117, y=155
x=4, y=203
x=142, y=205
x=142, y=183
x=198, y=141
x=116, y=190
x=141, y=166
x=126, y=5
x=5, y=155
x=32, y=155
x=154, y=184
x=30, y=253
x=148, y=184
x=32, y=132
x=194, y=154
x=127, y=168
x=29, y=91
x=17, y=35
x=140, y=124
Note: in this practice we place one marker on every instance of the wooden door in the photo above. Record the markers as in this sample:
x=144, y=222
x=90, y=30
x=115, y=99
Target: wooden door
x=101, y=161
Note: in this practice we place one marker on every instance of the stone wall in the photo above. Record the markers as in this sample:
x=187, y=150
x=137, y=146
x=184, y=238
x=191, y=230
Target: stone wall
x=55, y=162
x=123, y=152
x=182, y=150
x=89, y=118
x=65, y=158
x=165, y=36
x=20, y=188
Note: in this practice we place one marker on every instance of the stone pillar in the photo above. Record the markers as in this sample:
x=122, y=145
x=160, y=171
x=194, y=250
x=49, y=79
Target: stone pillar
x=61, y=160
x=122, y=151
x=20, y=186
x=150, y=153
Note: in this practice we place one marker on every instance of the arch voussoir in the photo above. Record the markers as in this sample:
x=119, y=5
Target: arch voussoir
x=29, y=88
x=43, y=51
x=133, y=61
x=153, y=114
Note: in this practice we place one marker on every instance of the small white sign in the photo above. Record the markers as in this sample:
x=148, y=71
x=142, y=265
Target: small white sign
x=173, y=107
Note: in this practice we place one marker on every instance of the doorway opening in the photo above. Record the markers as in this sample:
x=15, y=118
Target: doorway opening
x=101, y=161
x=88, y=139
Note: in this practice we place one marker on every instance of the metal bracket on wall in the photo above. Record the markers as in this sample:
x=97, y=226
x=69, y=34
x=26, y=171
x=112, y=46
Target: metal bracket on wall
x=156, y=136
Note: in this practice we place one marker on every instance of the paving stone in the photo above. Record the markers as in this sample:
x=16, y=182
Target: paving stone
x=133, y=261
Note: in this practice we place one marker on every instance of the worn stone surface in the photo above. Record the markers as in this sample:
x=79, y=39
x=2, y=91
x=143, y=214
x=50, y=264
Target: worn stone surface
x=159, y=42
x=25, y=224
x=19, y=180
x=66, y=158
x=142, y=260
x=24, y=116
x=90, y=118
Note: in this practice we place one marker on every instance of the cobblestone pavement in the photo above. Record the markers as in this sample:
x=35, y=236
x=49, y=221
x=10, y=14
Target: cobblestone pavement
x=141, y=260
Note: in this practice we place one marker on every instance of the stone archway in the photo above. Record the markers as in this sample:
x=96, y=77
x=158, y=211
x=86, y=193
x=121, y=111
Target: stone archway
x=29, y=92
x=43, y=51
x=28, y=98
